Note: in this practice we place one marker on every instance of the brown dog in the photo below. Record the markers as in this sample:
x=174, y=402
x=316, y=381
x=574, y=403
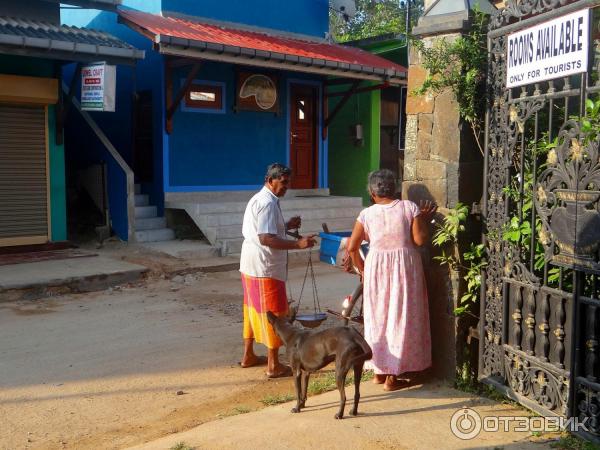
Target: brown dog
x=309, y=351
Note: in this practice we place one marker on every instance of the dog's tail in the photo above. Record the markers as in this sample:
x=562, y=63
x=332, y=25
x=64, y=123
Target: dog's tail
x=360, y=340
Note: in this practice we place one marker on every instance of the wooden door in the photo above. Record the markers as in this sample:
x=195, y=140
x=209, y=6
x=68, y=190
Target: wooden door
x=303, y=136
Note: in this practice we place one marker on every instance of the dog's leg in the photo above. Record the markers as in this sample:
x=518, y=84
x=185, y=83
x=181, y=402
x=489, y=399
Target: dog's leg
x=358, y=368
x=305, y=376
x=297, y=376
x=341, y=370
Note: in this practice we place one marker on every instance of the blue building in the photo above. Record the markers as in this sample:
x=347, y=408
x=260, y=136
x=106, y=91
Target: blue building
x=226, y=89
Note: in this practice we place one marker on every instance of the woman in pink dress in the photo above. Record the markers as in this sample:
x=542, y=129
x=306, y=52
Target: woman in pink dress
x=396, y=312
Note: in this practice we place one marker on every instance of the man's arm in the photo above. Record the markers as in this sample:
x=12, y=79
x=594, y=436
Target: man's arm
x=273, y=241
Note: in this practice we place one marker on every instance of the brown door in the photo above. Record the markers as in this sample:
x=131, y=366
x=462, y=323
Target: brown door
x=143, y=148
x=303, y=136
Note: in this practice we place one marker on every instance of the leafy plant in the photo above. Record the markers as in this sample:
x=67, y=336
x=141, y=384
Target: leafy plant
x=271, y=400
x=459, y=65
x=374, y=19
x=181, y=446
x=472, y=261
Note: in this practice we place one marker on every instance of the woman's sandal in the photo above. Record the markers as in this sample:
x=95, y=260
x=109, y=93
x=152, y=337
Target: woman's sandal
x=285, y=372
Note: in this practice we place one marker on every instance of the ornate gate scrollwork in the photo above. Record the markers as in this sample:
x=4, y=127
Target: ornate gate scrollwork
x=566, y=199
x=540, y=297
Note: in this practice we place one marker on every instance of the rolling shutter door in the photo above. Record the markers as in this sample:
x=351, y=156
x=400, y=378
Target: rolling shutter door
x=23, y=175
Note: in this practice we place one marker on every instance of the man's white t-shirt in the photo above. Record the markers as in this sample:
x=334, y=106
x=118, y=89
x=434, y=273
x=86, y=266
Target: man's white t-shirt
x=263, y=216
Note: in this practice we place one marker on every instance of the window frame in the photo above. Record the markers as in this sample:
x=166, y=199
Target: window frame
x=216, y=86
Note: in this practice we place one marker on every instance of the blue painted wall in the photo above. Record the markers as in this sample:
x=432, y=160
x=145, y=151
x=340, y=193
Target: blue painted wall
x=299, y=16
x=228, y=150
x=147, y=75
x=207, y=151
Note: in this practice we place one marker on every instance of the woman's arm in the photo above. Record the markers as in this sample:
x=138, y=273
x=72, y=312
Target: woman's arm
x=358, y=235
x=420, y=224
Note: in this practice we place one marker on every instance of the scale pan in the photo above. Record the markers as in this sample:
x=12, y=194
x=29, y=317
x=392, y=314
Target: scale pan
x=311, y=320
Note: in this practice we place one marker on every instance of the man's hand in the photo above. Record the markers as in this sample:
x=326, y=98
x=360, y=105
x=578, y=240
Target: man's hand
x=294, y=223
x=306, y=241
x=428, y=210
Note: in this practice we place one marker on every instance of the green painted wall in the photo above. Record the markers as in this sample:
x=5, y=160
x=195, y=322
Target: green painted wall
x=58, y=189
x=20, y=65
x=349, y=162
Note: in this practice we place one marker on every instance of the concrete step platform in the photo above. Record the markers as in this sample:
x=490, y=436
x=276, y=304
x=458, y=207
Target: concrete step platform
x=150, y=223
x=162, y=234
x=144, y=212
x=308, y=227
x=141, y=200
x=30, y=281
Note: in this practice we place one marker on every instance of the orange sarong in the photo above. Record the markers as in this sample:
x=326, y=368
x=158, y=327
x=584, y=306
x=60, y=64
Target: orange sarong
x=262, y=295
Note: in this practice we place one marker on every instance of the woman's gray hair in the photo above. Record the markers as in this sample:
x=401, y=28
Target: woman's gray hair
x=276, y=171
x=382, y=183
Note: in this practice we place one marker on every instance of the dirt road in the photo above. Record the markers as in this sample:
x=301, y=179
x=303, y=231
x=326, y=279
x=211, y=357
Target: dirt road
x=123, y=367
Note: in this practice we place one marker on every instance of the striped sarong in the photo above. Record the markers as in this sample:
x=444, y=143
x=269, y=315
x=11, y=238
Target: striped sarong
x=262, y=295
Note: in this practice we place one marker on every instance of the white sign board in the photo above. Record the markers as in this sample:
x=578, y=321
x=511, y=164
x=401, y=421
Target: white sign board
x=552, y=49
x=98, y=83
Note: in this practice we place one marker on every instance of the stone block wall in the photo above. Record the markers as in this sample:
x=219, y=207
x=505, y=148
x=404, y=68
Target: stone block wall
x=442, y=163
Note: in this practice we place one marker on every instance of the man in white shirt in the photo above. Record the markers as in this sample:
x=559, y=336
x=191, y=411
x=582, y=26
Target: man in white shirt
x=263, y=265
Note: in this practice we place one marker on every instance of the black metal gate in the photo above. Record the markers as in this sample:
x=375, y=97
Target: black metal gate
x=540, y=291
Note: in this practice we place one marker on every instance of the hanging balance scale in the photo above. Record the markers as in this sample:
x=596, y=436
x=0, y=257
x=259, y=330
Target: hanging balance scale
x=314, y=319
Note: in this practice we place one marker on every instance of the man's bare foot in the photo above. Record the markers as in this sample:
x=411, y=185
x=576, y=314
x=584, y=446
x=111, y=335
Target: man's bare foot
x=393, y=384
x=253, y=360
x=379, y=378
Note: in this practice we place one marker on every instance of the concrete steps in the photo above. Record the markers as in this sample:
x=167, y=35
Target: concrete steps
x=149, y=227
x=220, y=219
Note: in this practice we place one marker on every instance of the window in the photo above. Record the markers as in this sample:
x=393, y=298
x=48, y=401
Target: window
x=301, y=115
x=204, y=96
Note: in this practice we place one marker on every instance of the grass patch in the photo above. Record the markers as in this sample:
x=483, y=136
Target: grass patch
x=276, y=399
x=235, y=411
x=325, y=381
x=571, y=442
x=181, y=446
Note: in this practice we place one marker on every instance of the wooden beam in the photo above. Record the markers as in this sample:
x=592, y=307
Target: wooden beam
x=341, y=103
x=171, y=108
x=361, y=90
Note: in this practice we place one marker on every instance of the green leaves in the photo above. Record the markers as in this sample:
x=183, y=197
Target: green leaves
x=447, y=232
x=373, y=19
x=472, y=262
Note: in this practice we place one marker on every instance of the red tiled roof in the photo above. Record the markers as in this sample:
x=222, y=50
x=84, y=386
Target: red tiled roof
x=210, y=37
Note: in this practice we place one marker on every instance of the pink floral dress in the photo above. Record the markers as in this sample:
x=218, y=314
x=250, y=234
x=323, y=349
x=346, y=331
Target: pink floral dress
x=396, y=310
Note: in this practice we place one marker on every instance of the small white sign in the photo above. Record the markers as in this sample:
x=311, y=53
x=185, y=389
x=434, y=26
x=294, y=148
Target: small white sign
x=98, y=85
x=552, y=49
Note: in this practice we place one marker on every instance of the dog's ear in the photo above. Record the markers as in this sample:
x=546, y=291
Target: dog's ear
x=271, y=317
x=292, y=314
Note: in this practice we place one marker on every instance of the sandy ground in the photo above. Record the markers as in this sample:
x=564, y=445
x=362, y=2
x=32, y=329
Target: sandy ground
x=133, y=364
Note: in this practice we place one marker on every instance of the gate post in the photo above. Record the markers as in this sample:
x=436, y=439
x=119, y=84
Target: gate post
x=442, y=163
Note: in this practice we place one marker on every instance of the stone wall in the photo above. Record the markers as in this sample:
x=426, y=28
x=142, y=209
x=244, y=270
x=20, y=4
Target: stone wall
x=442, y=163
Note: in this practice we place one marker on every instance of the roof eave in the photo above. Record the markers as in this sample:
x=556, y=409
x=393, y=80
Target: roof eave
x=65, y=50
x=175, y=46
x=105, y=5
